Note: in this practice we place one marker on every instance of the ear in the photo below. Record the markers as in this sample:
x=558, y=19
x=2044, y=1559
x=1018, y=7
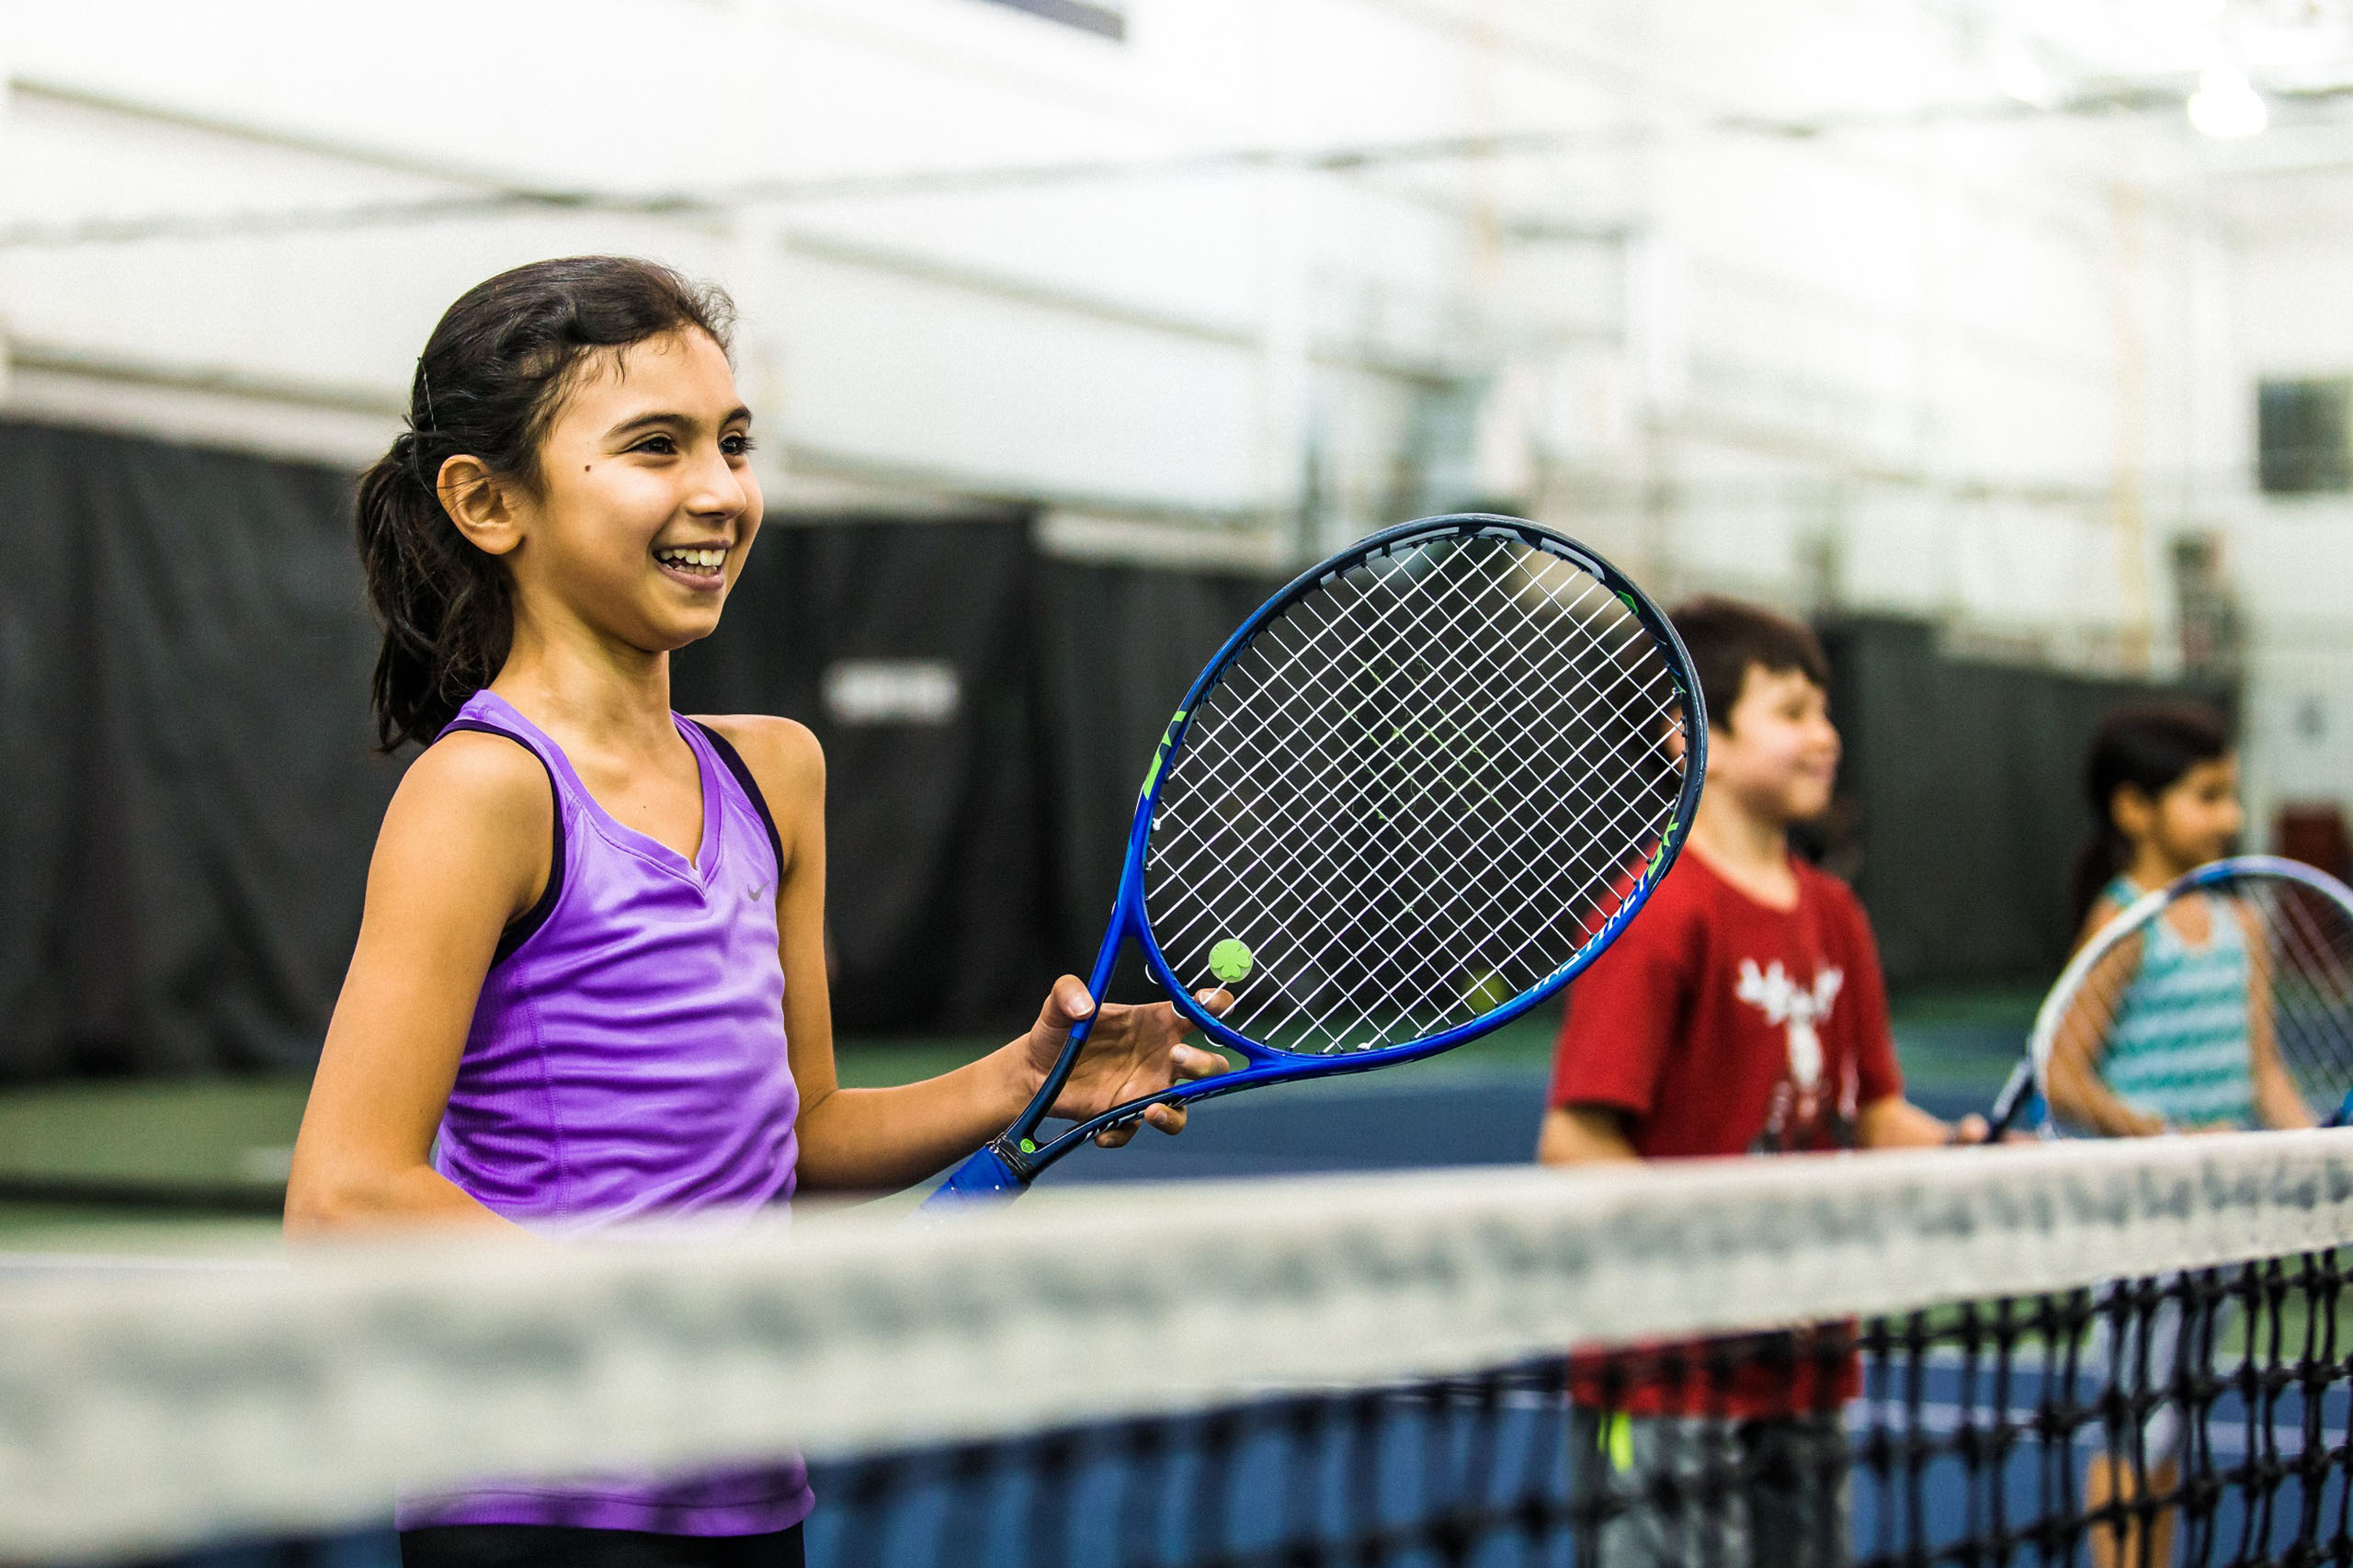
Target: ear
x=2132, y=812
x=487, y=509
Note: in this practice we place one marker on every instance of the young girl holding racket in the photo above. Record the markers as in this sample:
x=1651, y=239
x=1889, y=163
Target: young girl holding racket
x=2184, y=1044
x=589, y=984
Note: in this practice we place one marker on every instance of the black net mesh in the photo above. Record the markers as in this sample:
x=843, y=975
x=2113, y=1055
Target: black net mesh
x=2203, y=1414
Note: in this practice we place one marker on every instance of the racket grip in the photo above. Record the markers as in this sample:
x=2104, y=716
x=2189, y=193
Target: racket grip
x=985, y=1177
x=2007, y=1104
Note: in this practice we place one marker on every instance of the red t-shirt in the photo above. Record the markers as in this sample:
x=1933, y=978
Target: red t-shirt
x=1722, y=1025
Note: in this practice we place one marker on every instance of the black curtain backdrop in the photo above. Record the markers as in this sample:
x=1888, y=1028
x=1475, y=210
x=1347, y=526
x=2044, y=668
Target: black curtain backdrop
x=1116, y=647
x=934, y=899
x=1960, y=804
x=187, y=799
x=970, y=861
x=187, y=793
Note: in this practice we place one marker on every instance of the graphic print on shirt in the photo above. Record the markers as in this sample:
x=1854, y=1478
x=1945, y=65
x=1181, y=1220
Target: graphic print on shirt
x=1796, y=1118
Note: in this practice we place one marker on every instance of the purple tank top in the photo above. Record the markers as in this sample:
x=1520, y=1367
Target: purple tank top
x=627, y=1061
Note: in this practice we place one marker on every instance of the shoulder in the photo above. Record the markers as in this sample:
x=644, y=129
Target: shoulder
x=1671, y=919
x=2111, y=902
x=470, y=776
x=782, y=754
x=1687, y=893
x=1824, y=890
x=474, y=810
x=1816, y=884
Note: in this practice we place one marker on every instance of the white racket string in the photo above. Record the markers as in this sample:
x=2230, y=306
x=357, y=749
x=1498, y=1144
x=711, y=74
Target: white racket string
x=1418, y=791
x=1227, y=866
x=2312, y=989
x=1231, y=869
x=1515, y=879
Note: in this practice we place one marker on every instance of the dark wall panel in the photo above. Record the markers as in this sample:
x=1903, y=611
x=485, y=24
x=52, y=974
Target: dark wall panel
x=935, y=902
x=1118, y=647
x=187, y=794
x=1961, y=804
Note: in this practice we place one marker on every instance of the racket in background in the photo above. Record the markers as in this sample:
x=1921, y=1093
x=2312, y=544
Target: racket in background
x=2222, y=999
x=1417, y=791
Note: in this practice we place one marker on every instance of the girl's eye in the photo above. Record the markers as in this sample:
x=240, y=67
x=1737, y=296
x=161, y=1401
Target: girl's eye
x=661, y=446
x=735, y=446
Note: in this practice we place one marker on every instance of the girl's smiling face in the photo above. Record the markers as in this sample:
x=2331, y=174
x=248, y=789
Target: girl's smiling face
x=644, y=504
x=2192, y=821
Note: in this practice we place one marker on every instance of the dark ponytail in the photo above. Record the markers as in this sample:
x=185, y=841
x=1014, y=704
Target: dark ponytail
x=2148, y=747
x=487, y=386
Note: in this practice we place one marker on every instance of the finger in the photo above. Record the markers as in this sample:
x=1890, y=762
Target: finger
x=1217, y=1002
x=1115, y=1137
x=1974, y=1129
x=1065, y=1004
x=1169, y=1118
x=1192, y=1061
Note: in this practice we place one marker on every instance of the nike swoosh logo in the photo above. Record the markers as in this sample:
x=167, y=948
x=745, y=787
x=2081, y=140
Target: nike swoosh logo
x=754, y=895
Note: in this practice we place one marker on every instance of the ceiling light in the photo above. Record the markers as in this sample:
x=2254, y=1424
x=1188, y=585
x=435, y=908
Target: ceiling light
x=2226, y=104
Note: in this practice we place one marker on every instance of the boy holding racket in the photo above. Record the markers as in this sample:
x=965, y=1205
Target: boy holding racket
x=1743, y=1014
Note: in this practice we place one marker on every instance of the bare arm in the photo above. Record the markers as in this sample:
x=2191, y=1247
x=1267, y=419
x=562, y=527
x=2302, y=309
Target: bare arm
x=1895, y=1122
x=871, y=1140
x=463, y=851
x=2072, y=1080
x=1583, y=1135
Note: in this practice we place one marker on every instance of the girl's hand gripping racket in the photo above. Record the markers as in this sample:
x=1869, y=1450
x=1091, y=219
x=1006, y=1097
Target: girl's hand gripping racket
x=2224, y=999
x=1419, y=790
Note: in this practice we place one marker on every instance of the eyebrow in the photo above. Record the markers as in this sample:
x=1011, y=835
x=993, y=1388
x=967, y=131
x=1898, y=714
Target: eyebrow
x=650, y=421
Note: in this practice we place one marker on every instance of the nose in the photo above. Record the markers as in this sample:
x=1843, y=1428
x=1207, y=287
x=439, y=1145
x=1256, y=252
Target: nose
x=718, y=489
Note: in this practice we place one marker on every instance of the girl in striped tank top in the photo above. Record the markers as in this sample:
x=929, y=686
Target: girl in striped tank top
x=590, y=980
x=2179, y=1053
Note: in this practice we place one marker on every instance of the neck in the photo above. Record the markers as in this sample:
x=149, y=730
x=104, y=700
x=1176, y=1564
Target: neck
x=1739, y=841
x=570, y=678
x=2151, y=867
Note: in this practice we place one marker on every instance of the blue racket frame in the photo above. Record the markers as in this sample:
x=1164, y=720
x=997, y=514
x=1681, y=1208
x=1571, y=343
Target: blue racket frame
x=2022, y=1091
x=1012, y=1160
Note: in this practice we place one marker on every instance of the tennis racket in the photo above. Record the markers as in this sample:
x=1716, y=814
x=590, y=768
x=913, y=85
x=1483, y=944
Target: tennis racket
x=2223, y=999
x=1419, y=790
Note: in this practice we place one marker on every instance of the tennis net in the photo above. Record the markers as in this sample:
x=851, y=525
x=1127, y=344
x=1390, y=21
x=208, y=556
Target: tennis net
x=2069, y=1353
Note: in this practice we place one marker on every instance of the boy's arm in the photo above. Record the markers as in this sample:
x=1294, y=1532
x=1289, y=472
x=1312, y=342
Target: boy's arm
x=1894, y=1122
x=1583, y=1135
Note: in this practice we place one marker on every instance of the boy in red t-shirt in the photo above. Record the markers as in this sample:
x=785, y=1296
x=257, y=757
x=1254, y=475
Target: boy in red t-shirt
x=1742, y=1012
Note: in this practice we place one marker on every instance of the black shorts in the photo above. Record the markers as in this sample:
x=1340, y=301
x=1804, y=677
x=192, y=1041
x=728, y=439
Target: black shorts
x=560, y=1545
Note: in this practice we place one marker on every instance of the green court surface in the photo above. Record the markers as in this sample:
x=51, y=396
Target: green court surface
x=195, y=1165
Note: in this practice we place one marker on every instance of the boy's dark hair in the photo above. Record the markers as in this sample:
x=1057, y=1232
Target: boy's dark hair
x=487, y=386
x=2148, y=747
x=1726, y=636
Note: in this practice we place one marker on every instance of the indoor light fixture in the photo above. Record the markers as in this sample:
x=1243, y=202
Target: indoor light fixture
x=2226, y=104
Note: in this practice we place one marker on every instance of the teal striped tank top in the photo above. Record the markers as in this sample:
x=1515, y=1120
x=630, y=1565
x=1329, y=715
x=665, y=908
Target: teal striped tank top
x=2179, y=1048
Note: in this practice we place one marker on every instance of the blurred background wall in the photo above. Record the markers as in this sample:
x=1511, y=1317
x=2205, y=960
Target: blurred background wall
x=1939, y=322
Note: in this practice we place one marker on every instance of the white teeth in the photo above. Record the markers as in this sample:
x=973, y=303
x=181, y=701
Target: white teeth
x=710, y=559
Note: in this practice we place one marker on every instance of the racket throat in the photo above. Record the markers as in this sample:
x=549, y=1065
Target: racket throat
x=1018, y=1155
